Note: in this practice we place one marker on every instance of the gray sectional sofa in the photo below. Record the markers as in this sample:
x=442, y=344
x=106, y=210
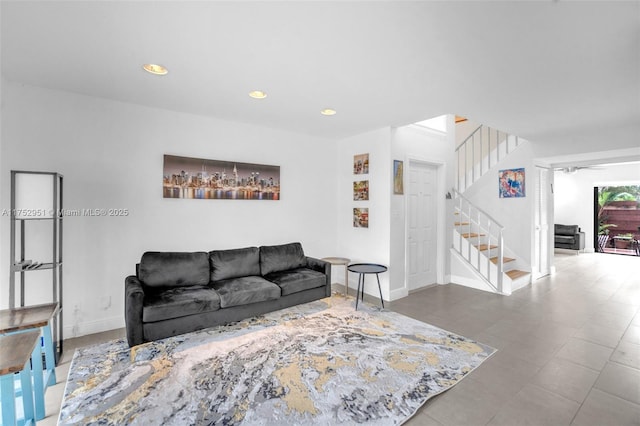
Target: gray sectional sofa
x=176, y=292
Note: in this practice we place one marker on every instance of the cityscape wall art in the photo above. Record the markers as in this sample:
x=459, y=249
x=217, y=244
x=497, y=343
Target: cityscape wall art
x=197, y=178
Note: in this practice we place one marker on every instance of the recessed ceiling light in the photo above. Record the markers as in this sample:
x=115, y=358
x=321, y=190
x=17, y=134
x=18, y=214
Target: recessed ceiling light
x=328, y=111
x=258, y=94
x=155, y=69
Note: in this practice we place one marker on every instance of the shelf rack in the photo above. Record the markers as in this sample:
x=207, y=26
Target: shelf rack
x=21, y=218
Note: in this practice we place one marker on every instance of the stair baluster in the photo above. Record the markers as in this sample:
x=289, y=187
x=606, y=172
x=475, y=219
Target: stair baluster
x=475, y=216
x=471, y=154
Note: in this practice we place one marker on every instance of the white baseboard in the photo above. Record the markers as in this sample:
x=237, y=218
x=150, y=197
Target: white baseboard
x=92, y=327
x=570, y=251
x=398, y=294
x=468, y=282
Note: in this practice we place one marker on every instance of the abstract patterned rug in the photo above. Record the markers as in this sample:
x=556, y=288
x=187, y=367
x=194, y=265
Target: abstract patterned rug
x=318, y=363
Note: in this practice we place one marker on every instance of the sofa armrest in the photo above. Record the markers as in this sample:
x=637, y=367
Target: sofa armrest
x=133, y=302
x=580, y=240
x=321, y=266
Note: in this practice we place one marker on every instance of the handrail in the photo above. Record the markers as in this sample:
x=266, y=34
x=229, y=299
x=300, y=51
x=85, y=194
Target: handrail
x=468, y=137
x=479, y=152
x=456, y=192
x=491, y=224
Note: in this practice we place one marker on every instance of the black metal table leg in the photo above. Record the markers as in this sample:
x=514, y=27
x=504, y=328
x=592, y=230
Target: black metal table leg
x=358, y=291
x=380, y=291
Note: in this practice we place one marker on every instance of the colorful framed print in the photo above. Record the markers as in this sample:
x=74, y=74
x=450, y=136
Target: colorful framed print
x=511, y=183
x=361, y=190
x=361, y=217
x=361, y=164
x=398, y=177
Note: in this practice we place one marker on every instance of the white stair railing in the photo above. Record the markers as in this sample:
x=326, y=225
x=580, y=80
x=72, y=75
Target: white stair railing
x=482, y=239
x=480, y=151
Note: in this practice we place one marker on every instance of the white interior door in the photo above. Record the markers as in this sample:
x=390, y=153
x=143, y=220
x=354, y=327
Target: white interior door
x=421, y=225
x=542, y=195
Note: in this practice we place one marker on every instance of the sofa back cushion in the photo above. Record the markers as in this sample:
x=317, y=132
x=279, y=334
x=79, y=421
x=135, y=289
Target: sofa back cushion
x=281, y=258
x=566, y=229
x=234, y=263
x=174, y=269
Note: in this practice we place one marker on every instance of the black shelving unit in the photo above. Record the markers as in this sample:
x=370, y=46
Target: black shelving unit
x=22, y=217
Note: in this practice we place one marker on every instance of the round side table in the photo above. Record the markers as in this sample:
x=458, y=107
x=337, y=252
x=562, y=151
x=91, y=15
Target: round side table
x=363, y=269
x=344, y=262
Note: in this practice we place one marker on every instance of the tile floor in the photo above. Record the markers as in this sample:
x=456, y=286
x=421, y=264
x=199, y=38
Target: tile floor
x=569, y=348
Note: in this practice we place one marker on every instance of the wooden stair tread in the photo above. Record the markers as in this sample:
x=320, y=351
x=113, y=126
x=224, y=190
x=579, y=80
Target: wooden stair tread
x=515, y=273
x=504, y=260
x=460, y=223
x=483, y=247
x=472, y=235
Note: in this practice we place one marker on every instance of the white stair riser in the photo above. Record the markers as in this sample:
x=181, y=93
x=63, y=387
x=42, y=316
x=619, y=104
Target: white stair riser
x=480, y=261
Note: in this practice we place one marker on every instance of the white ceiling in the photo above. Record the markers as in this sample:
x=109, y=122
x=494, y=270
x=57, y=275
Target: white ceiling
x=540, y=69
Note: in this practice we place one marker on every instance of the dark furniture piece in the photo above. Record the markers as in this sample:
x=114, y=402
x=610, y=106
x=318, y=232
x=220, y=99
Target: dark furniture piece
x=602, y=242
x=623, y=241
x=174, y=293
x=363, y=269
x=568, y=237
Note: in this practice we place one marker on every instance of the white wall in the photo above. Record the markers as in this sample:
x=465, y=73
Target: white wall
x=418, y=143
x=365, y=244
x=573, y=194
x=4, y=290
x=111, y=156
x=463, y=130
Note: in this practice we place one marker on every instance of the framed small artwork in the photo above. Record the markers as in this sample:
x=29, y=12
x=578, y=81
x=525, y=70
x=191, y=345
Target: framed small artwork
x=361, y=190
x=361, y=217
x=361, y=164
x=511, y=183
x=398, y=177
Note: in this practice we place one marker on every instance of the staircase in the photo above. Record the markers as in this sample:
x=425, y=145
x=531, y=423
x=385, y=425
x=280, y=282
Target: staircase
x=480, y=151
x=478, y=241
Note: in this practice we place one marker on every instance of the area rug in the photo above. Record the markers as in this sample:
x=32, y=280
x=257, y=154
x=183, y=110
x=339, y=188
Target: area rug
x=318, y=363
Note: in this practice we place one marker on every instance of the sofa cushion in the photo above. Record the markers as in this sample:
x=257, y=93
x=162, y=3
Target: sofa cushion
x=566, y=229
x=281, y=258
x=245, y=290
x=564, y=239
x=163, y=304
x=296, y=280
x=174, y=269
x=234, y=263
